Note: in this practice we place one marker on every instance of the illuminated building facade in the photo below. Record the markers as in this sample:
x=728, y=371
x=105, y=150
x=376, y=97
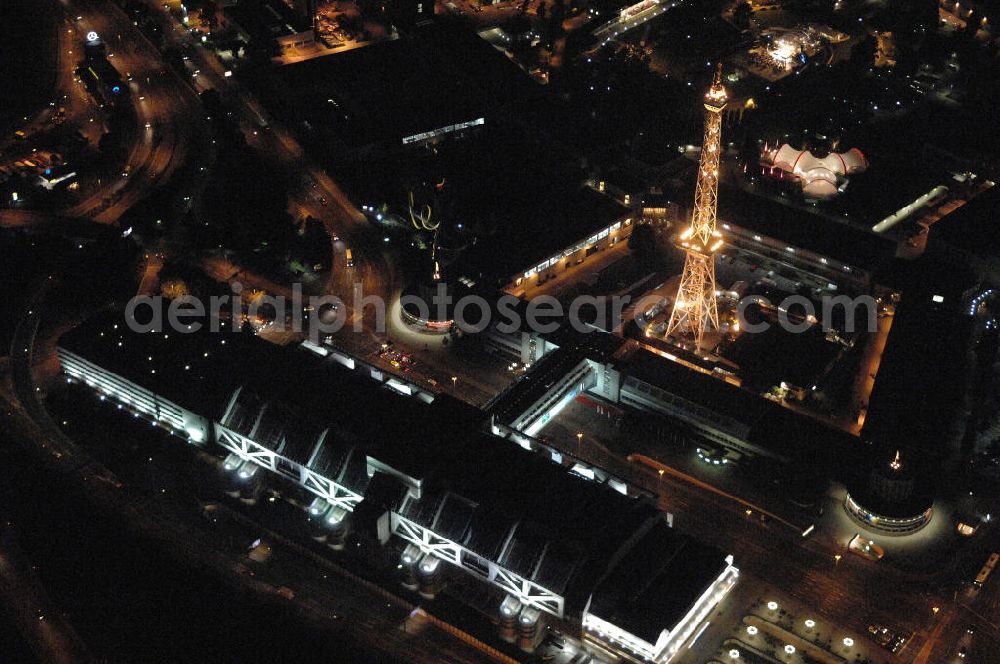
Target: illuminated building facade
x=570, y=256
x=702, y=408
x=419, y=481
x=650, y=639
x=820, y=177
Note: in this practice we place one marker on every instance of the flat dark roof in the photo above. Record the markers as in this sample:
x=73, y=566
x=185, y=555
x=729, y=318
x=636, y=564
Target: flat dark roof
x=805, y=439
x=918, y=388
x=198, y=371
x=271, y=18
x=561, y=527
x=974, y=227
x=566, y=529
x=840, y=241
x=530, y=387
x=888, y=185
x=522, y=197
x=712, y=393
x=539, y=218
x=771, y=426
x=657, y=582
x=519, y=190
x=775, y=355
x=597, y=345
x=439, y=75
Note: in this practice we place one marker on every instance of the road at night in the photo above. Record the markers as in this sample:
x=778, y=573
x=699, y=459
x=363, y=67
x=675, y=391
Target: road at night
x=852, y=592
x=161, y=100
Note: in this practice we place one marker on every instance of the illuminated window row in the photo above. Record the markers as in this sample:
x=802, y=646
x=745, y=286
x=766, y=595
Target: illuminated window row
x=123, y=390
x=434, y=133
x=885, y=523
x=569, y=251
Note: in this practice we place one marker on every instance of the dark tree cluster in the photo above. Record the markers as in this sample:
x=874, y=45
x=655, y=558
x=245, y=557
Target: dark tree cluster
x=245, y=204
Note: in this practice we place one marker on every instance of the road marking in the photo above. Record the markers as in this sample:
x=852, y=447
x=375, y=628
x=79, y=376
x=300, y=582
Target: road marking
x=925, y=651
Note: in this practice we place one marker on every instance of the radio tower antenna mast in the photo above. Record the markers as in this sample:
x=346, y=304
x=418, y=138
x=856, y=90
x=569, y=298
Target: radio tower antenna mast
x=695, y=308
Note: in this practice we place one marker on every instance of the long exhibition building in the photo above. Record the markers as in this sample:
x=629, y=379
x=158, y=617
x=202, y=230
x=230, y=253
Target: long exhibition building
x=419, y=483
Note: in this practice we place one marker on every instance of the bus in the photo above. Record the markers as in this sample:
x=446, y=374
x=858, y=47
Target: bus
x=987, y=569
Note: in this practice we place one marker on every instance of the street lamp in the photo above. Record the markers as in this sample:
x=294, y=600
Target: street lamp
x=454, y=381
x=752, y=630
x=659, y=480
x=579, y=442
x=772, y=606
x=810, y=623
x=848, y=641
x=790, y=649
x=837, y=558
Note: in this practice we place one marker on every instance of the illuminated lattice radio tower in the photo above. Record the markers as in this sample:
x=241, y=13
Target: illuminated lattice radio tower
x=695, y=308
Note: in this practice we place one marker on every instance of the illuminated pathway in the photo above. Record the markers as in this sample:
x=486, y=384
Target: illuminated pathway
x=632, y=17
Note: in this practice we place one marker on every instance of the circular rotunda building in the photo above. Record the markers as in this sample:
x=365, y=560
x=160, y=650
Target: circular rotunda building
x=891, y=499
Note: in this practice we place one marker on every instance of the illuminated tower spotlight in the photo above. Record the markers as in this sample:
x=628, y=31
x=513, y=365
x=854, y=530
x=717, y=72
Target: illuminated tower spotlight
x=695, y=307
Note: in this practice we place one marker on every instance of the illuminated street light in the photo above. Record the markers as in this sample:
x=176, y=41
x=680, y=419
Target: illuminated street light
x=848, y=641
x=734, y=654
x=790, y=649
x=772, y=606
x=454, y=381
x=810, y=623
x=751, y=630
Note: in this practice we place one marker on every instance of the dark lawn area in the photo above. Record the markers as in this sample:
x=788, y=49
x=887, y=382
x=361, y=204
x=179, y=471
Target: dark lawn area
x=28, y=45
x=12, y=646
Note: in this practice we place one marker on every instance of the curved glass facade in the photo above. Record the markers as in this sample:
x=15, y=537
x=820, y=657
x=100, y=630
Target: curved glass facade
x=885, y=524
